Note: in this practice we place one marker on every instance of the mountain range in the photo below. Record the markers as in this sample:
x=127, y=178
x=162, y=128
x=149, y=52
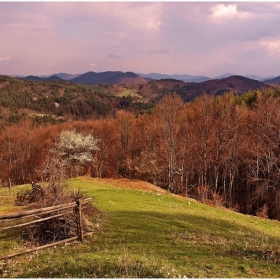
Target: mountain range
x=198, y=79
x=92, y=78
x=189, y=91
x=91, y=94
x=119, y=77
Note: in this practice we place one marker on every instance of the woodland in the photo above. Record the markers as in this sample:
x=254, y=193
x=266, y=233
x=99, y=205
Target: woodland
x=222, y=150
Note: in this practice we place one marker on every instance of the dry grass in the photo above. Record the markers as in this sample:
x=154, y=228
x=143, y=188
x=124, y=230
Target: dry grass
x=128, y=184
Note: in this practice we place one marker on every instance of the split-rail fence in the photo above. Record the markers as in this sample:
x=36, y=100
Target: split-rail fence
x=36, y=215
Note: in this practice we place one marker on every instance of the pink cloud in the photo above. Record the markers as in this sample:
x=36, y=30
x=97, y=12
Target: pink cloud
x=272, y=45
x=4, y=58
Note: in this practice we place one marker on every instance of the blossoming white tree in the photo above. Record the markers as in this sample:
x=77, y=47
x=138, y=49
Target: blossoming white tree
x=74, y=148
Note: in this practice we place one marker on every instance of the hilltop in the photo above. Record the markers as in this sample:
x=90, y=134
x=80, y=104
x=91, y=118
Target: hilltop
x=232, y=84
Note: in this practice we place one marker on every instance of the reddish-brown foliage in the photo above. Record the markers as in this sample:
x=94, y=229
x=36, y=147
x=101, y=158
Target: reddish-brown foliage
x=211, y=149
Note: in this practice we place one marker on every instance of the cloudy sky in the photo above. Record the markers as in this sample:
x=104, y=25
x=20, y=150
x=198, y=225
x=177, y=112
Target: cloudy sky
x=195, y=38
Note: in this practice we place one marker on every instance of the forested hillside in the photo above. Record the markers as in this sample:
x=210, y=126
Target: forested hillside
x=55, y=100
x=58, y=101
x=222, y=150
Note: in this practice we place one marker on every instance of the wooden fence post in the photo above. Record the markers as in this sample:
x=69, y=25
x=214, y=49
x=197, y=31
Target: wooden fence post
x=80, y=223
x=10, y=185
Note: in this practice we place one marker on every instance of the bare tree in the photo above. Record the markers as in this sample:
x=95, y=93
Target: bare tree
x=169, y=112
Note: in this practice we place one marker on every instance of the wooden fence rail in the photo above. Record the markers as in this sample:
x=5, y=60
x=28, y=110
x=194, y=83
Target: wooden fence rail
x=36, y=214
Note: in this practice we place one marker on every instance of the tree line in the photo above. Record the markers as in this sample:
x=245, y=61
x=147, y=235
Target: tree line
x=223, y=150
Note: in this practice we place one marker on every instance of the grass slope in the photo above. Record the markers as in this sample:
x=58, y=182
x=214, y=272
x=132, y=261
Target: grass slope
x=150, y=233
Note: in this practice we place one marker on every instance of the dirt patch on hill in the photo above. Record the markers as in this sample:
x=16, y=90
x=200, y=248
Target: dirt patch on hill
x=129, y=184
x=3, y=84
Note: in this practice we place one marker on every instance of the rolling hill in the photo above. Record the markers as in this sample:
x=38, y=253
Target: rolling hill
x=233, y=84
x=188, y=91
x=32, y=78
x=41, y=79
x=147, y=233
x=109, y=77
x=101, y=94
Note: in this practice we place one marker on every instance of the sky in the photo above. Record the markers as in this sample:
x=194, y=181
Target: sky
x=194, y=38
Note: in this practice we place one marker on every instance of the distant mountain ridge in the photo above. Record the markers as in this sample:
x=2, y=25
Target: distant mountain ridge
x=66, y=76
x=275, y=80
x=108, y=77
x=92, y=78
x=185, y=78
x=41, y=79
x=119, y=77
x=198, y=79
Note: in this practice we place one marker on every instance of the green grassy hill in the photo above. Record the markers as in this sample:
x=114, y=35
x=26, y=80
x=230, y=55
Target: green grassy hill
x=150, y=233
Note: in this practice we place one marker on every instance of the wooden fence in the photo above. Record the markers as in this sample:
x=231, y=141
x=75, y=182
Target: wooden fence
x=37, y=214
